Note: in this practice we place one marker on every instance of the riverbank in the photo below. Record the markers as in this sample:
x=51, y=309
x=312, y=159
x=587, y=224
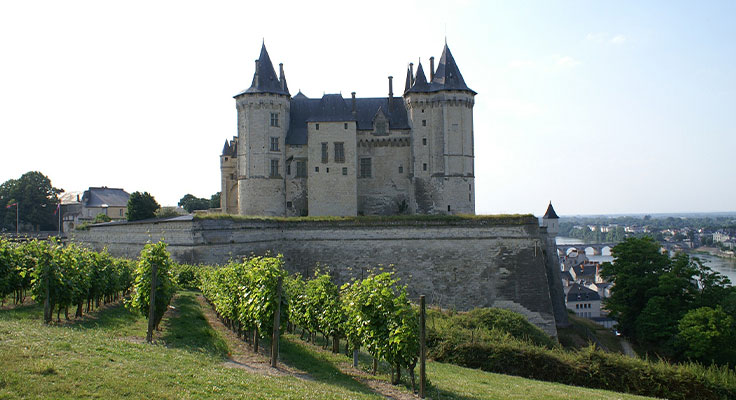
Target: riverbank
x=714, y=251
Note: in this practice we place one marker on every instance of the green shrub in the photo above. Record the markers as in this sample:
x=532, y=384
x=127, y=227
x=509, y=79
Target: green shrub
x=588, y=368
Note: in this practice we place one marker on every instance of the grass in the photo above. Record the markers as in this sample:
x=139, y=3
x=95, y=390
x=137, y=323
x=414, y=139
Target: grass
x=457, y=383
x=103, y=356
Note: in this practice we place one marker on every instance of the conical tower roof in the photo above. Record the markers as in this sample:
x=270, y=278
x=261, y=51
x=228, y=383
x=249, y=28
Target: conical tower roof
x=264, y=78
x=420, y=82
x=448, y=76
x=550, y=214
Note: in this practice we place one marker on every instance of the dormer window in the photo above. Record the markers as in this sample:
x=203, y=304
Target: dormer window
x=380, y=127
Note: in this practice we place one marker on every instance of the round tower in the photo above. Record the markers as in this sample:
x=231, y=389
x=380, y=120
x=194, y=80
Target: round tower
x=441, y=111
x=263, y=119
x=551, y=221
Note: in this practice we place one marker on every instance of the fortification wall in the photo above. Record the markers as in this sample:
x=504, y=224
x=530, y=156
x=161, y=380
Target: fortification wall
x=456, y=264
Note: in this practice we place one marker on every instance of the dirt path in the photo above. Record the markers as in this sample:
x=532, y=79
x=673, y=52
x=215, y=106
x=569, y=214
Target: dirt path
x=242, y=356
x=628, y=350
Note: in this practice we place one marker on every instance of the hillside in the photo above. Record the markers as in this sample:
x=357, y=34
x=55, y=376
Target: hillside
x=104, y=356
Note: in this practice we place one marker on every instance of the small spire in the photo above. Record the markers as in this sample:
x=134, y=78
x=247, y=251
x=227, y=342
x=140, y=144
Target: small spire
x=550, y=214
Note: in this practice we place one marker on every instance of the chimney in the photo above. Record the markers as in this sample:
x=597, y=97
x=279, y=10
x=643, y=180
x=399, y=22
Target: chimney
x=411, y=69
x=431, y=68
x=390, y=91
x=355, y=110
x=281, y=75
x=256, y=75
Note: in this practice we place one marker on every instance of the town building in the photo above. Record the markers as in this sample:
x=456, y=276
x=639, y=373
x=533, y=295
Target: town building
x=584, y=302
x=357, y=156
x=80, y=207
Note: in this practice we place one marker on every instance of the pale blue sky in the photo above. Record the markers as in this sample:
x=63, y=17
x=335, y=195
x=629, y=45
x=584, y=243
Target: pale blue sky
x=601, y=107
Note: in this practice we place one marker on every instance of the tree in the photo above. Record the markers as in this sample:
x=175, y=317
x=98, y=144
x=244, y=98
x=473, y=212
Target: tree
x=36, y=200
x=215, y=200
x=141, y=206
x=707, y=335
x=636, y=267
x=191, y=203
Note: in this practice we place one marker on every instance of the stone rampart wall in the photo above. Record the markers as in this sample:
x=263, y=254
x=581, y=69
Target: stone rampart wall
x=456, y=264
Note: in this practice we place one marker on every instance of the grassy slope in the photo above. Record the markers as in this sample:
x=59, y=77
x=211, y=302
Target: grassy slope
x=105, y=358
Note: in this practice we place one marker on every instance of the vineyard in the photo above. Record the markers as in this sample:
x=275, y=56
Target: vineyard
x=61, y=277
x=373, y=313
x=256, y=299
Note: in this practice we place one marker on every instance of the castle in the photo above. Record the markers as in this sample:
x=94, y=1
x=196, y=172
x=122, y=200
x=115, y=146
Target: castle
x=297, y=156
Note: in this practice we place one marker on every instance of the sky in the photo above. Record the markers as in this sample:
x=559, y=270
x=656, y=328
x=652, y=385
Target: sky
x=599, y=107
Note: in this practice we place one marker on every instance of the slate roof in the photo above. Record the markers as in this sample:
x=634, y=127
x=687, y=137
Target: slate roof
x=584, y=269
x=579, y=292
x=97, y=196
x=447, y=76
x=550, y=214
x=264, y=79
x=566, y=276
x=333, y=107
x=230, y=149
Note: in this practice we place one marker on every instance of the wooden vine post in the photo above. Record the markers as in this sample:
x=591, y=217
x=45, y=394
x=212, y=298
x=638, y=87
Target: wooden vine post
x=152, y=304
x=422, y=347
x=276, y=325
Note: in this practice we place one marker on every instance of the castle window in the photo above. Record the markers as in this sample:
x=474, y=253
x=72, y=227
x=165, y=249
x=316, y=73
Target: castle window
x=274, y=144
x=448, y=208
x=275, y=119
x=274, y=168
x=344, y=170
x=339, y=152
x=288, y=169
x=424, y=122
x=424, y=141
x=316, y=169
x=365, y=167
x=401, y=169
x=316, y=127
x=424, y=166
x=289, y=204
x=346, y=125
x=325, y=156
x=301, y=169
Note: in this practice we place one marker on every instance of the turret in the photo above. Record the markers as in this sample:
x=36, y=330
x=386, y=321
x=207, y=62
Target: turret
x=441, y=112
x=551, y=221
x=263, y=119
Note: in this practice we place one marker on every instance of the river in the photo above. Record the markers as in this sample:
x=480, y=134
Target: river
x=725, y=266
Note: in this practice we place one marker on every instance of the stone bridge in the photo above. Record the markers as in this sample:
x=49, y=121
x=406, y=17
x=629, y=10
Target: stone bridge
x=597, y=248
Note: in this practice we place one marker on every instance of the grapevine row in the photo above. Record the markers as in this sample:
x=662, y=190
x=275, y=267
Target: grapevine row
x=62, y=276
x=373, y=313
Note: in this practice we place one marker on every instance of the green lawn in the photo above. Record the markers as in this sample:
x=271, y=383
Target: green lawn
x=106, y=357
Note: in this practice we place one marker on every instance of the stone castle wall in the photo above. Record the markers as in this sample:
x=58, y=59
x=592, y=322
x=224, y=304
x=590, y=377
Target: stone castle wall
x=456, y=264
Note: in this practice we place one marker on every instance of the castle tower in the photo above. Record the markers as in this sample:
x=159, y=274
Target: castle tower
x=263, y=119
x=441, y=111
x=229, y=177
x=551, y=221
